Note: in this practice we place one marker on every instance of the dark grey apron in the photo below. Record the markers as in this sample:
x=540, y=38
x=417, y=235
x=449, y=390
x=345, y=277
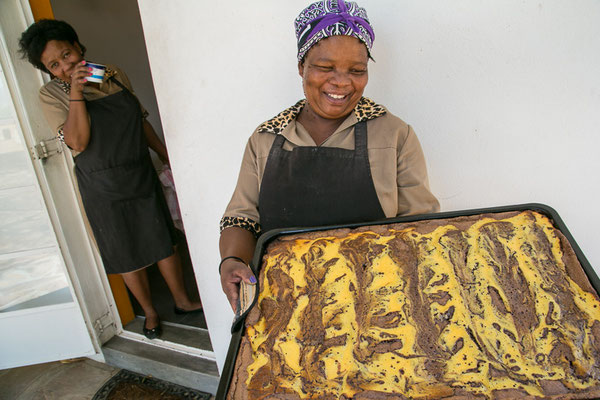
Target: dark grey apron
x=316, y=186
x=119, y=187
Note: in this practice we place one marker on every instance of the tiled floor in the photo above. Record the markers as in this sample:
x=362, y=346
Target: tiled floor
x=76, y=379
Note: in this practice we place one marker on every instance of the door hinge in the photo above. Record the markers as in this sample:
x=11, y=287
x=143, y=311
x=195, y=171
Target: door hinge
x=103, y=322
x=46, y=148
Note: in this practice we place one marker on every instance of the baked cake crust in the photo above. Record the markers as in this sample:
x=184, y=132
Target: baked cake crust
x=492, y=306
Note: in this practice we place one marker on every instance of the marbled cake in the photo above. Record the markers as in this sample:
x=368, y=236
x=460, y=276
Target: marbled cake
x=487, y=307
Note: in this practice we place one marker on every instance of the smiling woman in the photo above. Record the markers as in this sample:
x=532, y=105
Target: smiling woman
x=335, y=157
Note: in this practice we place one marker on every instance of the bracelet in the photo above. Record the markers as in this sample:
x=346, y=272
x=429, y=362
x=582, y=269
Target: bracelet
x=76, y=99
x=227, y=258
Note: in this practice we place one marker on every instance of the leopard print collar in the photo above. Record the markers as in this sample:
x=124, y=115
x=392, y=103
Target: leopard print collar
x=66, y=86
x=365, y=110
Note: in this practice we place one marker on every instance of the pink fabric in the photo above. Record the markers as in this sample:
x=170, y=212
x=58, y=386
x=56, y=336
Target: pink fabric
x=168, y=184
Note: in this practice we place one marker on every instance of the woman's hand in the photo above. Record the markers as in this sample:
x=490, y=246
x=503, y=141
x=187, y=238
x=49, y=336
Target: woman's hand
x=79, y=79
x=232, y=273
x=235, y=243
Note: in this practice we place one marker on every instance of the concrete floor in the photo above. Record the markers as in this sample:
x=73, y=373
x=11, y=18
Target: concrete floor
x=68, y=380
x=77, y=379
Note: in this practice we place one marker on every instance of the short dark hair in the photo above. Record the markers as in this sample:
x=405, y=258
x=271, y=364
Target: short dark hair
x=33, y=41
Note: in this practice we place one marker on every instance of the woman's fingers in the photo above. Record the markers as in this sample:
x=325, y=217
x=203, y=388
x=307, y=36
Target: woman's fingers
x=79, y=75
x=232, y=273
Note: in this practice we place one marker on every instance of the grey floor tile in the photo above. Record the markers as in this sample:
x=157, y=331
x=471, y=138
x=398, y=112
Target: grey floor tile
x=16, y=381
x=76, y=380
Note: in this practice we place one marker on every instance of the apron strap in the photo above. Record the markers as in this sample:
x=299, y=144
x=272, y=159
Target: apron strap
x=360, y=138
x=115, y=80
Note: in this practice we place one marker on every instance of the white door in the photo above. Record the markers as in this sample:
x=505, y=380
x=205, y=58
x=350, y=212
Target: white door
x=54, y=302
x=39, y=319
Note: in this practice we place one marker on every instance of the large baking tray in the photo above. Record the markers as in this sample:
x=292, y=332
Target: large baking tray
x=237, y=329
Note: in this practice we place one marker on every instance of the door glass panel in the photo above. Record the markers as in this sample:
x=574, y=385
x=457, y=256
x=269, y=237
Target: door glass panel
x=16, y=170
x=24, y=219
x=32, y=281
x=31, y=267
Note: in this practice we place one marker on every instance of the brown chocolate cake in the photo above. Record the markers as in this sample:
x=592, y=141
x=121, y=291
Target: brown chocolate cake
x=487, y=307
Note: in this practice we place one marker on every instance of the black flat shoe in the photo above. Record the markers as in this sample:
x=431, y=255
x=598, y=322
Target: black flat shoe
x=182, y=311
x=152, y=333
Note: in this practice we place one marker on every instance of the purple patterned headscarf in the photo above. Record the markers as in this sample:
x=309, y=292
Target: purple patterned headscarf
x=327, y=18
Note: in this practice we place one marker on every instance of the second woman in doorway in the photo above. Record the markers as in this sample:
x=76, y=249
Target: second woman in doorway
x=105, y=127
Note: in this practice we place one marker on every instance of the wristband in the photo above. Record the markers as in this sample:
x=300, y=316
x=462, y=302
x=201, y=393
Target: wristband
x=76, y=99
x=227, y=258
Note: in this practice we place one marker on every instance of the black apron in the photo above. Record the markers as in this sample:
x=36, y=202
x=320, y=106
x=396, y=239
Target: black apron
x=316, y=186
x=119, y=187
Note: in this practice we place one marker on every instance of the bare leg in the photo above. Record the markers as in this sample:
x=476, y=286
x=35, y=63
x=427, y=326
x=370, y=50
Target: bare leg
x=137, y=282
x=170, y=268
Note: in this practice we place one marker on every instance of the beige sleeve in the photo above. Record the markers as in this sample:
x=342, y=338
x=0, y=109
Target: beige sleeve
x=244, y=202
x=414, y=196
x=55, y=110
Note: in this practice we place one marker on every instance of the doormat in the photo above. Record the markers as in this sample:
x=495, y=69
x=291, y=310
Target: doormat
x=127, y=385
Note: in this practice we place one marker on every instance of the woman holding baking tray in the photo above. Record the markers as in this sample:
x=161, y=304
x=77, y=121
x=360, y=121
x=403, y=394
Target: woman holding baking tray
x=105, y=127
x=335, y=157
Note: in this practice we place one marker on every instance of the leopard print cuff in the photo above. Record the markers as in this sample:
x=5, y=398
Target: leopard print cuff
x=241, y=222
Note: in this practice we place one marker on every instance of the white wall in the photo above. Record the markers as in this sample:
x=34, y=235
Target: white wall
x=504, y=96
